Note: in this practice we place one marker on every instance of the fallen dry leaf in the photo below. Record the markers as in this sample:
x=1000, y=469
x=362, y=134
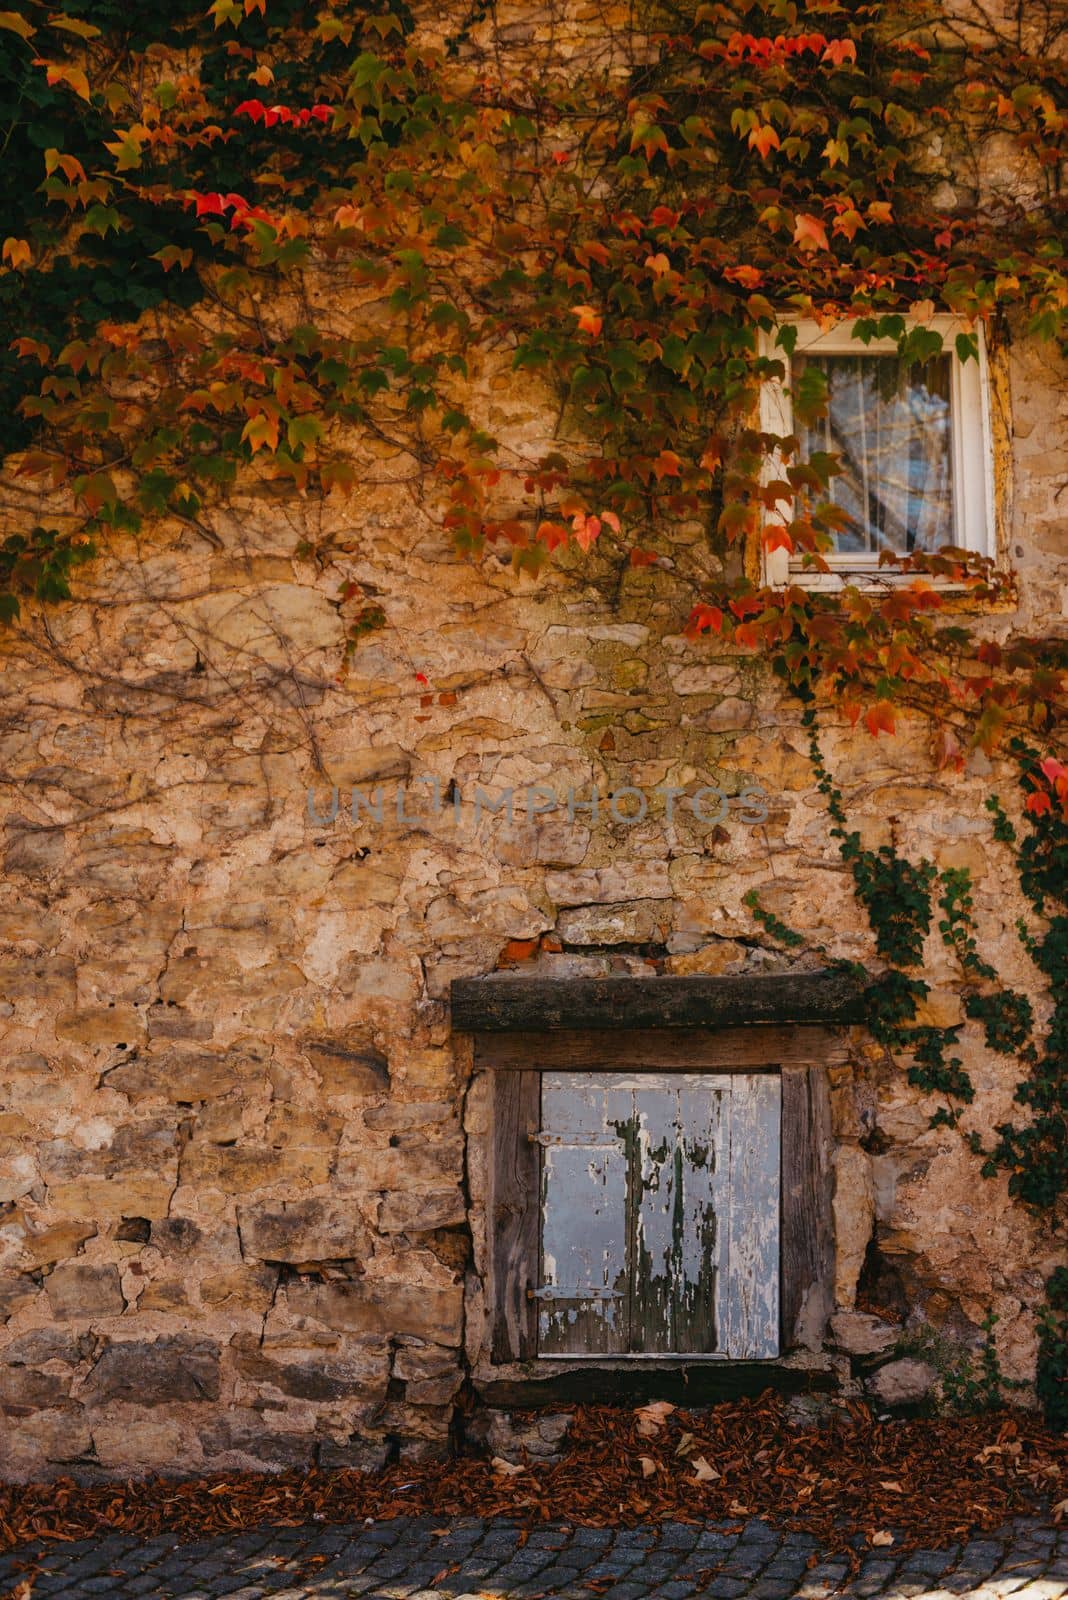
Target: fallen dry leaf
x=507, y=1469
x=882, y=1538
x=648, y=1466
x=704, y=1473
x=652, y=1417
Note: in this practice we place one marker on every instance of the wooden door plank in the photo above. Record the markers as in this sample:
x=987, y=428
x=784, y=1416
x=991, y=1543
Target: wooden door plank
x=679, y=1182
x=584, y=1215
x=807, y=1215
x=515, y=1192
x=751, y=1302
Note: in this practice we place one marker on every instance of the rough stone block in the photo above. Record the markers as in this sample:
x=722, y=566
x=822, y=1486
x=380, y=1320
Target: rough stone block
x=241, y=1169
x=320, y=1377
x=408, y=1212
x=241, y=1288
x=22, y=1389
x=625, y=880
x=180, y=1076
x=82, y=1290
x=348, y=1063
x=411, y=1163
x=141, y=1441
x=241, y=1438
x=178, y=1367
x=16, y=1292
x=59, y=1242
x=109, y=1198
x=429, y=1311
x=303, y=1230
x=902, y=1383
x=859, y=1334
x=635, y=922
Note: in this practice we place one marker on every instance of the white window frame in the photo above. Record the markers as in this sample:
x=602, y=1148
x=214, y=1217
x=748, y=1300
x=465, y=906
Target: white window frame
x=972, y=444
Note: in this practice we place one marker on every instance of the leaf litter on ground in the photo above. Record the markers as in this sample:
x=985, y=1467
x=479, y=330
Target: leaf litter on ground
x=848, y=1482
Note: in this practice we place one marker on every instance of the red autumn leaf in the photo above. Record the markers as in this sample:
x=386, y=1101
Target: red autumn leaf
x=839, y=51
x=586, y=529
x=704, y=618
x=208, y=205
x=1053, y=769
x=642, y=558
x=777, y=537
x=552, y=534
x=1038, y=804
x=254, y=109
x=667, y=465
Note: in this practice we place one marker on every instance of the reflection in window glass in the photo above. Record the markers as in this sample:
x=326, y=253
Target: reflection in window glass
x=890, y=425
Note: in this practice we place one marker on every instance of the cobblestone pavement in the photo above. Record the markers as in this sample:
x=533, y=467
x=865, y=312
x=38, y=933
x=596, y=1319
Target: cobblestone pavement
x=425, y=1558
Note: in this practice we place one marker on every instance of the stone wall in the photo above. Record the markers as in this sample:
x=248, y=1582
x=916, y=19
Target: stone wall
x=239, y=1152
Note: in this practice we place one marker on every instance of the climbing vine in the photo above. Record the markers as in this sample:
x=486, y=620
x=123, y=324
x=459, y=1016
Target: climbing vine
x=902, y=900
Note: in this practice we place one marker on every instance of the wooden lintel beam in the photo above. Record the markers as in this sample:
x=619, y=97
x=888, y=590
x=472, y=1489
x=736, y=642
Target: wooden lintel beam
x=508, y=1003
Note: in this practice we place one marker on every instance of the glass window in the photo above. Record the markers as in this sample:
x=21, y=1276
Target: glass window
x=891, y=426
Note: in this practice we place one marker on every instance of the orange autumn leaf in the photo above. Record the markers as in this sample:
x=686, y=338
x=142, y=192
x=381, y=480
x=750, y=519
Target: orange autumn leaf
x=809, y=232
x=589, y=320
x=764, y=139
x=880, y=719
x=747, y=277
x=16, y=252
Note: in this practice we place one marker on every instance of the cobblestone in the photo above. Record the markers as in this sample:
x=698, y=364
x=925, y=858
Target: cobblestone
x=416, y=1559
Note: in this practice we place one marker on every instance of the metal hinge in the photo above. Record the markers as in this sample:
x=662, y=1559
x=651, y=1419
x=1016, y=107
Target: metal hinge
x=552, y=1292
x=579, y=1141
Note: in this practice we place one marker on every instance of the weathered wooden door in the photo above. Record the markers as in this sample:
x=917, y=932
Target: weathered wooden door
x=660, y=1215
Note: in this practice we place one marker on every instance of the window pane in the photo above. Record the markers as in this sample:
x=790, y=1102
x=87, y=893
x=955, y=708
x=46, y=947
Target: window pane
x=891, y=426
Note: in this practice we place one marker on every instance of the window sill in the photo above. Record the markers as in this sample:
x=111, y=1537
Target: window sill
x=957, y=597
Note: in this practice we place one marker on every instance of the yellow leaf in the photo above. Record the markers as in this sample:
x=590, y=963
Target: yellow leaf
x=17, y=24
x=73, y=76
x=17, y=252
x=84, y=30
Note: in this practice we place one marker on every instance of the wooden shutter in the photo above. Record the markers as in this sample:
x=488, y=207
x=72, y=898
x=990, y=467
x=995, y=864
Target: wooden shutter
x=660, y=1215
